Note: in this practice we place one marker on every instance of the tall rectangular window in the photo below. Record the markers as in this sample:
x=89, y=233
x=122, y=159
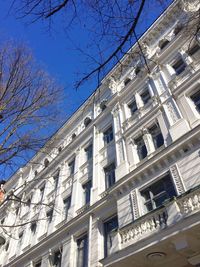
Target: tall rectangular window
x=33, y=227
x=156, y=136
x=133, y=107
x=110, y=231
x=38, y=264
x=196, y=100
x=145, y=96
x=67, y=204
x=42, y=192
x=71, y=167
x=82, y=251
x=158, y=192
x=87, y=192
x=56, y=179
x=141, y=147
x=89, y=152
x=50, y=215
x=109, y=175
x=108, y=135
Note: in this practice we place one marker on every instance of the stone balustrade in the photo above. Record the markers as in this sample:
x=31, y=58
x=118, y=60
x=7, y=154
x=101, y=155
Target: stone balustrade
x=166, y=216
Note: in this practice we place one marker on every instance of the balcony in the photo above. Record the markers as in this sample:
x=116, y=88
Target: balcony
x=152, y=232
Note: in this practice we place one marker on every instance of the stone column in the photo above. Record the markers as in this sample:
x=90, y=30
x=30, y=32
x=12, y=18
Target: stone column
x=67, y=255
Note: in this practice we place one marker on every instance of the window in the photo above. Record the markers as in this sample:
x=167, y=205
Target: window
x=35, y=173
x=73, y=136
x=59, y=149
x=82, y=251
x=158, y=192
x=7, y=246
x=196, y=99
x=71, y=167
x=108, y=135
x=28, y=202
x=156, y=136
x=56, y=179
x=109, y=175
x=50, y=215
x=141, y=148
x=178, y=29
x=67, y=204
x=192, y=50
x=46, y=163
x=179, y=66
x=87, y=121
x=57, y=258
x=127, y=81
x=103, y=104
x=110, y=231
x=87, y=190
x=38, y=264
x=133, y=107
x=20, y=239
x=42, y=192
x=33, y=227
x=163, y=43
x=137, y=70
x=89, y=152
x=145, y=96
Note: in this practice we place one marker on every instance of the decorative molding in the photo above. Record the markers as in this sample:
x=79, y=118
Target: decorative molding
x=134, y=202
x=180, y=188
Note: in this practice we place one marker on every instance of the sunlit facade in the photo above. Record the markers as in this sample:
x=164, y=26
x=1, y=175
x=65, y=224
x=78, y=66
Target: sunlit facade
x=119, y=184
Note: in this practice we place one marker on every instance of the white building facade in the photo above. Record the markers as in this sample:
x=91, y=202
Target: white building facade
x=119, y=183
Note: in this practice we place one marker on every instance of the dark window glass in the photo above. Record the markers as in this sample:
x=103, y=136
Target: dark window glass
x=158, y=192
x=145, y=96
x=110, y=230
x=89, y=152
x=156, y=135
x=133, y=107
x=56, y=179
x=137, y=70
x=141, y=148
x=7, y=246
x=127, y=81
x=195, y=48
x=46, y=163
x=179, y=66
x=87, y=121
x=87, y=191
x=50, y=216
x=33, y=227
x=57, y=258
x=196, y=99
x=38, y=264
x=108, y=135
x=163, y=44
x=178, y=29
x=109, y=175
x=82, y=251
x=67, y=204
x=73, y=136
x=71, y=167
x=103, y=105
x=42, y=193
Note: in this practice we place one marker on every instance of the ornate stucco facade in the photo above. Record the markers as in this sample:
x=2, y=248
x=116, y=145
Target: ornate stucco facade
x=119, y=183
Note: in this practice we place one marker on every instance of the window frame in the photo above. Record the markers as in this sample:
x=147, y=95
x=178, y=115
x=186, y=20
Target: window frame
x=71, y=166
x=140, y=146
x=144, y=99
x=195, y=103
x=84, y=261
x=89, y=152
x=108, y=232
x=87, y=191
x=108, y=135
x=155, y=134
x=181, y=68
x=110, y=177
x=67, y=207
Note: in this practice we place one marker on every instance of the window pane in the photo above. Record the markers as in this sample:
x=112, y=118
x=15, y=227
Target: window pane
x=108, y=135
x=141, y=148
x=133, y=107
x=196, y=99
x=82, y=251
x=67, y=204
x=110, y=228
x=156, y=135
x=89, y=152
x=109, y=175
x=179, y=66
x=87, y=192
x=145, y=96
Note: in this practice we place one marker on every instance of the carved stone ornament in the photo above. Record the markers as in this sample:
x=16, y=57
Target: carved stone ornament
x=191, y=5
x=134, y=202
x=177, y=179
x=113, y=85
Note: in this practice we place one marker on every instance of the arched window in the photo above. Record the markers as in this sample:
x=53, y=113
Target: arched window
x=87, y=121
x=163, y=43
x=46, y=163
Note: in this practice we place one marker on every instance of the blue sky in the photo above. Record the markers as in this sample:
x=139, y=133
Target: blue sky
x=57, y=54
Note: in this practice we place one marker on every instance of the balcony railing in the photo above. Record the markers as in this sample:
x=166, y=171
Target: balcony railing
x=155, y=221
